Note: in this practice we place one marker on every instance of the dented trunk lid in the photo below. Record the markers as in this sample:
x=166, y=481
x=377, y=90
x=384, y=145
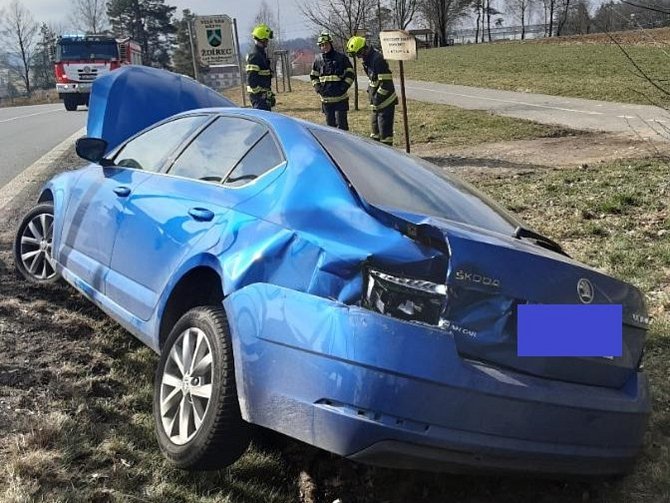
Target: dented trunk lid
x=491, y=274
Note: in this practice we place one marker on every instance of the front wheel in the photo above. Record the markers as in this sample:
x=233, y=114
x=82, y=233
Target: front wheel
x=71, y=102
x=33, y=246
x=198, y=421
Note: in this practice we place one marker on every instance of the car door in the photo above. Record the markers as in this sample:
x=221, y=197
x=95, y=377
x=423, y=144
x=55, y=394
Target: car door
x=170, y=212
x=96, y=203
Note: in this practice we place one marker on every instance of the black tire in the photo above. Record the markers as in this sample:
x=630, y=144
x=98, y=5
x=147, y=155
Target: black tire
x=33, y=246
x=70, y=102
x=223, y=435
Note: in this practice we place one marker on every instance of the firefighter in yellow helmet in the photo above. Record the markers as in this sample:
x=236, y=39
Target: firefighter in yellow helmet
x=381, y=90
x=259, y=73
x=332, y=75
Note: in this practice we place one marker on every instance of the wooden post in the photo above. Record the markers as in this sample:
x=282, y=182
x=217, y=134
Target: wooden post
x=288, y=71
x=404, y=105
x=195, y=61
x=239, y=64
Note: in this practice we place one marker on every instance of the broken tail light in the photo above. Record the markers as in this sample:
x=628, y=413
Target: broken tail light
x=405, y=298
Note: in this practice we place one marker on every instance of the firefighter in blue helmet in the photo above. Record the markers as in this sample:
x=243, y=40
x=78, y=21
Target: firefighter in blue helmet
x=383, y=98
x=332, y=76
x=259, y=73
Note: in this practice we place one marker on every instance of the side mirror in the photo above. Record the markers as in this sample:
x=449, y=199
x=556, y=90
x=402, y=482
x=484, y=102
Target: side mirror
x=91, y=149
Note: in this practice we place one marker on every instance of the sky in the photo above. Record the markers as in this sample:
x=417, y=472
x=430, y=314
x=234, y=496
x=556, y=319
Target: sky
x=292, y=23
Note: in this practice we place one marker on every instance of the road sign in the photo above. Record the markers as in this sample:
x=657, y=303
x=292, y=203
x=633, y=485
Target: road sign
x=398, y=45
x=214, y=36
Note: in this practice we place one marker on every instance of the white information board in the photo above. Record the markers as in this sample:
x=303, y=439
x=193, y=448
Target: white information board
x=398, y=45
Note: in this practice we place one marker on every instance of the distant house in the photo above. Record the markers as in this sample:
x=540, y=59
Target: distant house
x=301, y=61
x=222, y=77
x=424, y=37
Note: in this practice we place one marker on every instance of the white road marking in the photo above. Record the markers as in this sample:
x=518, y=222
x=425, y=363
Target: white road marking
x=508, y=101
x=33, y=173
x=626, y=116
x=30, y=115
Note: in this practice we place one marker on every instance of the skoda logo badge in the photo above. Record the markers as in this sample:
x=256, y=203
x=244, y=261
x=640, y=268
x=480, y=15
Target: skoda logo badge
x=87, y=69
x=585, y=291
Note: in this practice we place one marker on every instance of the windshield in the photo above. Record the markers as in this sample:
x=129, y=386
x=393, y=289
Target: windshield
x=390, y=179
x=84, y=50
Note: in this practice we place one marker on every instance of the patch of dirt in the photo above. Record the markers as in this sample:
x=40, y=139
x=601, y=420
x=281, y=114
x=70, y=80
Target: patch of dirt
x=567, y=151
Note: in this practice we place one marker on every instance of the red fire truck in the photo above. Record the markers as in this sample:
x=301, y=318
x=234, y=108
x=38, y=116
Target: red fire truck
x=80, y=59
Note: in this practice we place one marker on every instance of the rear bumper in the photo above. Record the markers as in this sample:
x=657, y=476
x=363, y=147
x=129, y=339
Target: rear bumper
x=398, y=394
x=74, y=88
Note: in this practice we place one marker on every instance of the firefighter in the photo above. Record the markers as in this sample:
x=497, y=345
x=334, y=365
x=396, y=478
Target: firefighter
x=259, y=74
x=381, y=91
x=332, y=75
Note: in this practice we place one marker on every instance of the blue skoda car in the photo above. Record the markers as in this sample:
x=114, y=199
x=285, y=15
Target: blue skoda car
x=338, y=291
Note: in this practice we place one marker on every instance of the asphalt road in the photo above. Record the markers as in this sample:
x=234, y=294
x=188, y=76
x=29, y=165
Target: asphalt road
x=27, y=133
x=575, y=113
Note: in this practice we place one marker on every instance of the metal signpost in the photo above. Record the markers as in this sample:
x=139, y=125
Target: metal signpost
x=400, y=46
x=216, y=42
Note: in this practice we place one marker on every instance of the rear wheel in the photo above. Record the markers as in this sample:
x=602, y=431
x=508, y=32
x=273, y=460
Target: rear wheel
x=33, y=245
x=70, y=101
x=198, y=421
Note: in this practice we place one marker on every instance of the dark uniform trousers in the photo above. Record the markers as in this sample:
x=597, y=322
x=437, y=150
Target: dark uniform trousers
x=336, y=115
x=260, y=102
x=381, y=124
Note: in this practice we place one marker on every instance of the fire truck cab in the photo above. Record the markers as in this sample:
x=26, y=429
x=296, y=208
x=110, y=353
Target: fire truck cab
x=80, y=59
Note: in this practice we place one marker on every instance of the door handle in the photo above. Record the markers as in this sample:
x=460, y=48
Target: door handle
x=201, y=214
x=122, y=191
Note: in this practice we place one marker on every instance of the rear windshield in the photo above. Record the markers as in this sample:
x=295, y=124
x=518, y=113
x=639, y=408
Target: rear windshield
x=71, y=51
x=387, y=178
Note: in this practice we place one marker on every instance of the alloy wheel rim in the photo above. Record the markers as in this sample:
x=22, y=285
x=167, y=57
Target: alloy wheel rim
x=36, y=247
x=186, y=386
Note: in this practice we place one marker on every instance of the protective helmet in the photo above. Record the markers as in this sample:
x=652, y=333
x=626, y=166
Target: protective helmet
x=262, y=32
x=323, y=38
x=355, y=45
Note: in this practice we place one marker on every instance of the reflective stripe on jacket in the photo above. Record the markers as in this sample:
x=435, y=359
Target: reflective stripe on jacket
x=331, y=76
x=381, y=88
x=259, y=73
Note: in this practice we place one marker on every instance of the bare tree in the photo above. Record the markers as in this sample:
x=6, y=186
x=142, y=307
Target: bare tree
x=403, y=12
x=520, y=10
x=89, y=15
x=564, y=10
x=341, y=18
x=18, y=30
x=442, y=14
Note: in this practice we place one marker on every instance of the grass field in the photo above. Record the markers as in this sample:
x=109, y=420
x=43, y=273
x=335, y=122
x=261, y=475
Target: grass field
x=578, y=67
x=428, y=122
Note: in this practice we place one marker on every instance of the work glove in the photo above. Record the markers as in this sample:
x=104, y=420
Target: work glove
x=272, y=101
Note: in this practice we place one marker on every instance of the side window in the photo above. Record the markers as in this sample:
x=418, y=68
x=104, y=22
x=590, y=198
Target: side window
x=264, y=156
x=150, y=150
x=216, y=151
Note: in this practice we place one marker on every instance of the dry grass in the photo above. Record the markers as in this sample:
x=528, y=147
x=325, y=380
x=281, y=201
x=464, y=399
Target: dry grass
x=428, y=122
